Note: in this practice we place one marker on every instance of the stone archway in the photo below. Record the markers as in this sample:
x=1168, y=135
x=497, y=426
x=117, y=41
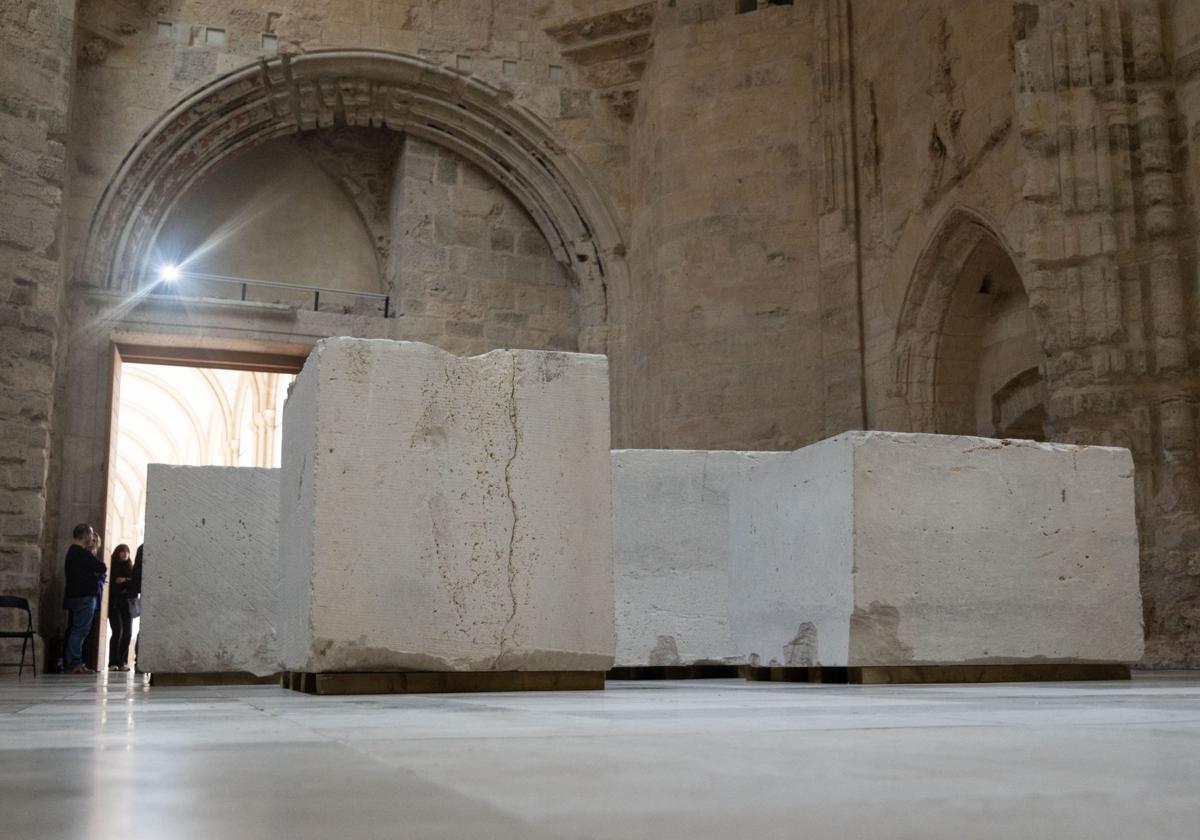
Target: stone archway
x=969, y=352
x=290, y=95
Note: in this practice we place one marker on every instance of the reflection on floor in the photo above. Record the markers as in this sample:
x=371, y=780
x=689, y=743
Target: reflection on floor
x=107, y=757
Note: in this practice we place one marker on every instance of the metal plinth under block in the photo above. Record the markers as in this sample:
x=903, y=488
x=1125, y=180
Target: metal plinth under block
x=918, y=674
x=675, y=672
x=441, y=682
x=167, y=679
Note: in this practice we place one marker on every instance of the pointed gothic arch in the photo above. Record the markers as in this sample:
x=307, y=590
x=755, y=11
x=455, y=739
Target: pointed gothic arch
x=969, y=347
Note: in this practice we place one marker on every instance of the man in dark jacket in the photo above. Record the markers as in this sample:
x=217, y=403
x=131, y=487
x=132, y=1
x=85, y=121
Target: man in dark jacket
x=84, y=573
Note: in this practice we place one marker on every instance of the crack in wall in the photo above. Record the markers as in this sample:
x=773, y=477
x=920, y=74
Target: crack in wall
x=512, y=537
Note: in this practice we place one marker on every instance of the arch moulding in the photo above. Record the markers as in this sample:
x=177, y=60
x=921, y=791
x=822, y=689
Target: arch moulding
x=927, y=304
x=318, y=90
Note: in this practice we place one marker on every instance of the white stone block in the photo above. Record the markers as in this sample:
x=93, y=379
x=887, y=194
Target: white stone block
x=445, y=513
x=671, y=554
x=874, y=548
x=211, y=586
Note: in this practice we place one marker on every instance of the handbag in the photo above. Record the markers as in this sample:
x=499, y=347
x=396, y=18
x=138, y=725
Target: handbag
x=135, y=607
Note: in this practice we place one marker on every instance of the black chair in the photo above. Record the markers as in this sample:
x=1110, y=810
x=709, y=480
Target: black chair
x=26, y=635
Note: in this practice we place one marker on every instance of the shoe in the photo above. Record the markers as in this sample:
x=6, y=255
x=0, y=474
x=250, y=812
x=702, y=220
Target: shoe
x=113, y=668
x=124, y=669
x=81, y=669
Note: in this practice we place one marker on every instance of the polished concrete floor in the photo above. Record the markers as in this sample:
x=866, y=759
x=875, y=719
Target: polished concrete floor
x=110, y=758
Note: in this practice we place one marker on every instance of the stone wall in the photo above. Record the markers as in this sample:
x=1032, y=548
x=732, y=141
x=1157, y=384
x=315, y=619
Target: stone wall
x=137, y=60
x=804, y=195
x=35, y=84
x=725, y=309
x=1057, y=150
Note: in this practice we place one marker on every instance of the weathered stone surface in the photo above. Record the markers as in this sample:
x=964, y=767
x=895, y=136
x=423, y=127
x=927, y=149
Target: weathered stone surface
x=445, y=513
x=873, y=548
x=211, y=585
x=35, y=98
x=670, y=554
x=997, y=238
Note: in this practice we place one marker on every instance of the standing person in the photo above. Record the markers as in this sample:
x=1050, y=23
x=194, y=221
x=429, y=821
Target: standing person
x=84, y=575
x=120, y=596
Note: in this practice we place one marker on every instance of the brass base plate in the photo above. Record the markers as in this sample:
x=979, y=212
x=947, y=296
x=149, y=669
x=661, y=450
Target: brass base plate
x=674, y=672
x=164, y=680
x=918, y=674
x=440, y=682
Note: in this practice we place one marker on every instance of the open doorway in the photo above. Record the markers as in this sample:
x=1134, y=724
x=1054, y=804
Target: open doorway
x=169, y=411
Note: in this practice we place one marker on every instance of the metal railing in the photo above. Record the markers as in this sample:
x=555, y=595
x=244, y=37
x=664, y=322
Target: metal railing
x=245, y=283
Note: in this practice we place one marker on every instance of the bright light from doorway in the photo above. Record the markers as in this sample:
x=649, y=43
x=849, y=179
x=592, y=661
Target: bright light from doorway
x=168, y=273
x=193, y=416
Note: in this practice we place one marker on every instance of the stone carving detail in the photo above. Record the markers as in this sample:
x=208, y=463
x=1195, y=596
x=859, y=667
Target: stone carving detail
x=1102, y=239
x=612, y=49
x=948, y=160
x=94, y=51
x=1075, y=127
x=839, y=258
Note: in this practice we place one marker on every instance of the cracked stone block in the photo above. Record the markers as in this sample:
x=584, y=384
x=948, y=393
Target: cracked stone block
x=671, y=553
x=446, y=513
x=211, y=584
x=874, y=548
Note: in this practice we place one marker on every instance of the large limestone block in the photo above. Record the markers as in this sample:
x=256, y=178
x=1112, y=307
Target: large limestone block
x=874, y=548
x=671, y=554
x=211, y=587
x=446, y=513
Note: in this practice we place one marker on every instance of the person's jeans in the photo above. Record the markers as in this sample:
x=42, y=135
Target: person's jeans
x=122, y=630
x=80, y=611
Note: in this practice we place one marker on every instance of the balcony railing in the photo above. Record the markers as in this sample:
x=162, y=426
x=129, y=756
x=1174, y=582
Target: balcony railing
x=183, y=276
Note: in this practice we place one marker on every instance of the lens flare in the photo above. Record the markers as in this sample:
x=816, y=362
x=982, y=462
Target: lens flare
x=168, y=273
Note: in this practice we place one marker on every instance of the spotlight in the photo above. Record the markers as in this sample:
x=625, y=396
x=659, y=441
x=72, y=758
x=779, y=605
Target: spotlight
x=168, y=273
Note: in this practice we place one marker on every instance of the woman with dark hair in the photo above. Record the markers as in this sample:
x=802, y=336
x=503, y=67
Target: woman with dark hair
x=119, y=596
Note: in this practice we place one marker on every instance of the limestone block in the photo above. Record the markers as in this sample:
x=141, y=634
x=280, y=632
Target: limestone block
x=211, y=585
x=873, y=548
x=446, y=513
x=671, y=552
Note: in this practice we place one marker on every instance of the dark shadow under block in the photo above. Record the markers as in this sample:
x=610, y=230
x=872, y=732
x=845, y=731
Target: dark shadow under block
x=165, y=679
x=441, y=682
x=924, y=674
x=675, y=672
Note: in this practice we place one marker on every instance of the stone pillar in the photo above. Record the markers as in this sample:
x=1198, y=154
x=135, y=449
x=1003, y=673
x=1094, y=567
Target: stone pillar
x=839, y=256
x=36, y=66
x=1102, y=198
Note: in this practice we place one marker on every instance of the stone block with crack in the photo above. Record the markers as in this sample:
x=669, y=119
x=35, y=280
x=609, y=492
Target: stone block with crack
x=881, y=549
x=446, y=513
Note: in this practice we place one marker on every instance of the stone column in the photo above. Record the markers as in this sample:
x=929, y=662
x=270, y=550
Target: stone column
x=36, y=67
x=839, y=256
